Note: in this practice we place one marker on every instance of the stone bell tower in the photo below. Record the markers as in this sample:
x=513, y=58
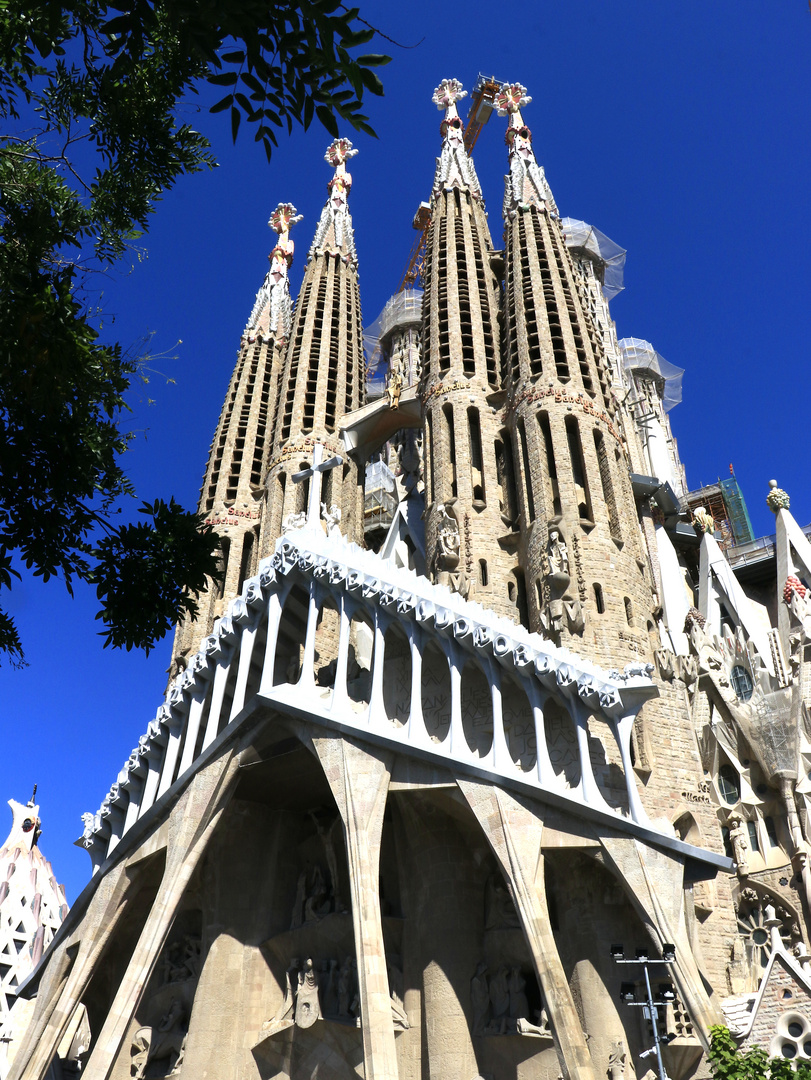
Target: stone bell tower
x=579, y=544
x=465, y=516
x=323, y=373
x=231, y=495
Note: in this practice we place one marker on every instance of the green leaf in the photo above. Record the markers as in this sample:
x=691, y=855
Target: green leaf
x=327, y=118
x=223, y=104
x=373, y=60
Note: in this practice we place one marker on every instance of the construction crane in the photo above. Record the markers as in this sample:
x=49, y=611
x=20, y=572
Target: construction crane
x=481, y=108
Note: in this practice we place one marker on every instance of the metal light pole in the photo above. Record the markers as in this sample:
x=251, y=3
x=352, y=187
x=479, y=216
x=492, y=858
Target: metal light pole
x=666, y=993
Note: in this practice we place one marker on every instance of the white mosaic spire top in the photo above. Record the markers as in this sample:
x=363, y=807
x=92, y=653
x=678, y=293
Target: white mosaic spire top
x=334, y=234
x=273, y=309
x=526, y=185
x=454, y=168
x=32, y=907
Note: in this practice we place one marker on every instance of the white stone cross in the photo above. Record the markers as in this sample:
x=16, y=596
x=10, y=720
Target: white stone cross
x=319, y=467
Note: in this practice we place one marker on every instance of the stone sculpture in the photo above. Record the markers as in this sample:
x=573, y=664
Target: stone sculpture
x=500, y=1005
x=447, y=540
x=616, y=1061
x=166, y=1041
x=308, y=1006
x=740, y=844
x=332, y=518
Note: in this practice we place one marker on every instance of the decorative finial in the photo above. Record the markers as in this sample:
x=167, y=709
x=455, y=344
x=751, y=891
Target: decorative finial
x=283, y=217
x=777, y=499
x=448, y=93
x=703, y=520
x=338, y=151
x=510, y=97
x=33, y=799
x=793, y=585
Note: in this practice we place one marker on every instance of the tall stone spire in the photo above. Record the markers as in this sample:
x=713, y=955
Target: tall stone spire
x=323, y=372
x=580, y=533
x=231, y=495
x=465, y=507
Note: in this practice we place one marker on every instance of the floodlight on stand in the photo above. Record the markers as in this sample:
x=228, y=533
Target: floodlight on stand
x=627, y=992
x=668, y=953
x=666, y=992
x=618, y=952
x=642, y=955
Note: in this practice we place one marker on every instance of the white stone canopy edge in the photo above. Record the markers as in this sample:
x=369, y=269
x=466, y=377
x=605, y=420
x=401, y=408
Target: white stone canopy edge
x=356, y=578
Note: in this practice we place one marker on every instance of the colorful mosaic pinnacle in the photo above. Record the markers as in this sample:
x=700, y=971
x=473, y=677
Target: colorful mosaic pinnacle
x=448, y=93
x=510, y=98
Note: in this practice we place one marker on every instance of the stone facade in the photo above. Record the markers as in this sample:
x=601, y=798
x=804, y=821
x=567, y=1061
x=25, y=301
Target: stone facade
x=400, y=798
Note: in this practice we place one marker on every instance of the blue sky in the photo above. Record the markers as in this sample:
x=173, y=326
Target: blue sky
x=679, y=129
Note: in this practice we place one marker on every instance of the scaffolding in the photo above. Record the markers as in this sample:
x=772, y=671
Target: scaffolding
x=640, y=356
x=404, y=309
x=609, y=257
x=379, y=497
x=725, y=503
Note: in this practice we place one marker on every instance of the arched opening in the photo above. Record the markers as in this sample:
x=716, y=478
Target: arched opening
x=435, y=689
x=561, y=741
x=303, y=489
x=361, y=658
x=397, y=680
x=581, y=485
x=450, y=444
x=519, y=724
x=599, y=601
x=483, y=577
x=476, y=465
x=477, y=709
x=291, y=634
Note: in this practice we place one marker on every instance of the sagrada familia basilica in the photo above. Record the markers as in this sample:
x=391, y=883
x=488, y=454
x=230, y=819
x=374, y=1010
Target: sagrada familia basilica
x=488, y=756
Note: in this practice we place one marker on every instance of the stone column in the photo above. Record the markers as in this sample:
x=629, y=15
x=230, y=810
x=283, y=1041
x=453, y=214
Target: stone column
x=654, y=882
x=359, y=779
x=513, y=829
x=194, y=819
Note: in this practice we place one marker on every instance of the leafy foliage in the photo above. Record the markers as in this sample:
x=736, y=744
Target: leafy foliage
x=90, y=97
x=730, y=1063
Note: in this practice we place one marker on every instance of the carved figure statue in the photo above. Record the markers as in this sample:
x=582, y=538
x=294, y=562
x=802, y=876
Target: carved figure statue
x=616, y=1061
x=519, y=1006
x=740, y=844
x=167, y=1040
x=395, y=385
x=332, y=518
x=500, y=994
x=345, y=985
x=308, y=1006
x=294, y=521
x=396, y=993
x=499, y=910
x=558, y=554
x=317, y=903
x=480, y=999
x=447, y=539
